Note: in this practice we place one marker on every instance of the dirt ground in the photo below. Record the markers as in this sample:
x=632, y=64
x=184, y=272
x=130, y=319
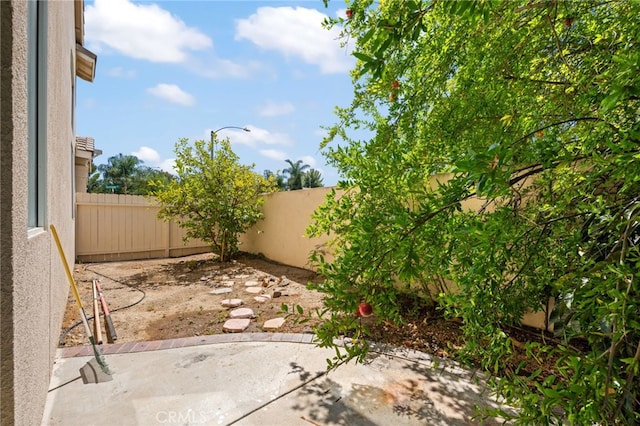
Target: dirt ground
x=169, y=298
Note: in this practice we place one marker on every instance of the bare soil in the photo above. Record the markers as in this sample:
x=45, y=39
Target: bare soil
x=170, y=298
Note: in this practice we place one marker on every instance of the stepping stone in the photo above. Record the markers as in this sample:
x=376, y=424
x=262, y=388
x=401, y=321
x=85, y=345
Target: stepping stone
x=236, y=325
x=220, y=291
x=228, y=283
x=262, y=299
x=254, y=290
x=251, y=283
x=241, y=313
x=231, y=303
x=273, y=324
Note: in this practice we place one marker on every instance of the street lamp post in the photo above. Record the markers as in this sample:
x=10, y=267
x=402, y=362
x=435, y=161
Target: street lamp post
x=213, y=133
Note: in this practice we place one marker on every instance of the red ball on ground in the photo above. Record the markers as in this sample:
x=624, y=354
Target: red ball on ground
x=365, y=309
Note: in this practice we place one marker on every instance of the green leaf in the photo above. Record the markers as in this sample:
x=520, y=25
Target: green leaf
x=363, y=57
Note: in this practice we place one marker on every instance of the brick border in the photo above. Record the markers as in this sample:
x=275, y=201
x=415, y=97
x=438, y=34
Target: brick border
x=157, y=345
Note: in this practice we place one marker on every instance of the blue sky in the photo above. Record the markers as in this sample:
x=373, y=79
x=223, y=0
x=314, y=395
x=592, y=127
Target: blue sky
x=173, y=69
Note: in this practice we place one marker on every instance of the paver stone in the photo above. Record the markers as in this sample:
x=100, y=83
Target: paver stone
x=231, y=303
x=236, y=325
x=241, y=313
x=273, y=324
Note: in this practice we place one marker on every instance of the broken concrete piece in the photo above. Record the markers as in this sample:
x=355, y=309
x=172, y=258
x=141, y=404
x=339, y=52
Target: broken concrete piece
x=241, y=313
x=282, y=292
x=254, y=290
x=251, y=283
x=273, y=324
x=268, y=281
x=220, y=291
x=227, y=283
x=236, y=325
x=285, y=282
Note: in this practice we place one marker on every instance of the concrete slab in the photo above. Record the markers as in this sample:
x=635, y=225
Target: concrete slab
x=265, y=383
x=221, y=291
x=254, y=290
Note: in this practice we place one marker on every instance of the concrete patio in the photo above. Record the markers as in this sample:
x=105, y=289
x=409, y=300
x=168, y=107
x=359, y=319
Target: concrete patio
x=260, y=379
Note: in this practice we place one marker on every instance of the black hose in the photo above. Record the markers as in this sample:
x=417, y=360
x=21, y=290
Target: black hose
x=66, y=331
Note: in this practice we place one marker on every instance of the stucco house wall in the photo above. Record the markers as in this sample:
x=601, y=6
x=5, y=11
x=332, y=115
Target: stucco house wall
x=33, y=286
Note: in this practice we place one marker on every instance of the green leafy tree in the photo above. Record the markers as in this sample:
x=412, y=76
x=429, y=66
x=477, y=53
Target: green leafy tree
x=278, y=177
x=120, y=171
x=94, y=181
x=146, y=179
x=125, y=174
x=532, y=108
x=214, y=198
x=296, y=172
x=312, y=179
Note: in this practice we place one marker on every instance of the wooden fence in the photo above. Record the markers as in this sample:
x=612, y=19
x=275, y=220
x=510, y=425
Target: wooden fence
x=112, y=227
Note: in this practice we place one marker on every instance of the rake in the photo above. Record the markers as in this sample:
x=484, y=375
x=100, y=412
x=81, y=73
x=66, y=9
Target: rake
x=99, y=357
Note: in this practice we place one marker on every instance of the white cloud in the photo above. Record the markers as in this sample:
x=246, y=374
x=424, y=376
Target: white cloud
x=296, y=32
x=152, y=158
x=307, y=159
x=274, y=154
x=168, y=165
x=120, y=72
x=273, y=109
x=141, y=31
x=255, y=137
x=172, y=93
x=148, y=155
x=225, y=68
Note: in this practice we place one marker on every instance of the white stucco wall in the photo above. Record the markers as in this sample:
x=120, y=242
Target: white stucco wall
x=34, y=287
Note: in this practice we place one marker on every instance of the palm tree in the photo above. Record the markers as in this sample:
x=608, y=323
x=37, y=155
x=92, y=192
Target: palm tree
x=296, y=174
x=120, y=170
x=313, y=179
